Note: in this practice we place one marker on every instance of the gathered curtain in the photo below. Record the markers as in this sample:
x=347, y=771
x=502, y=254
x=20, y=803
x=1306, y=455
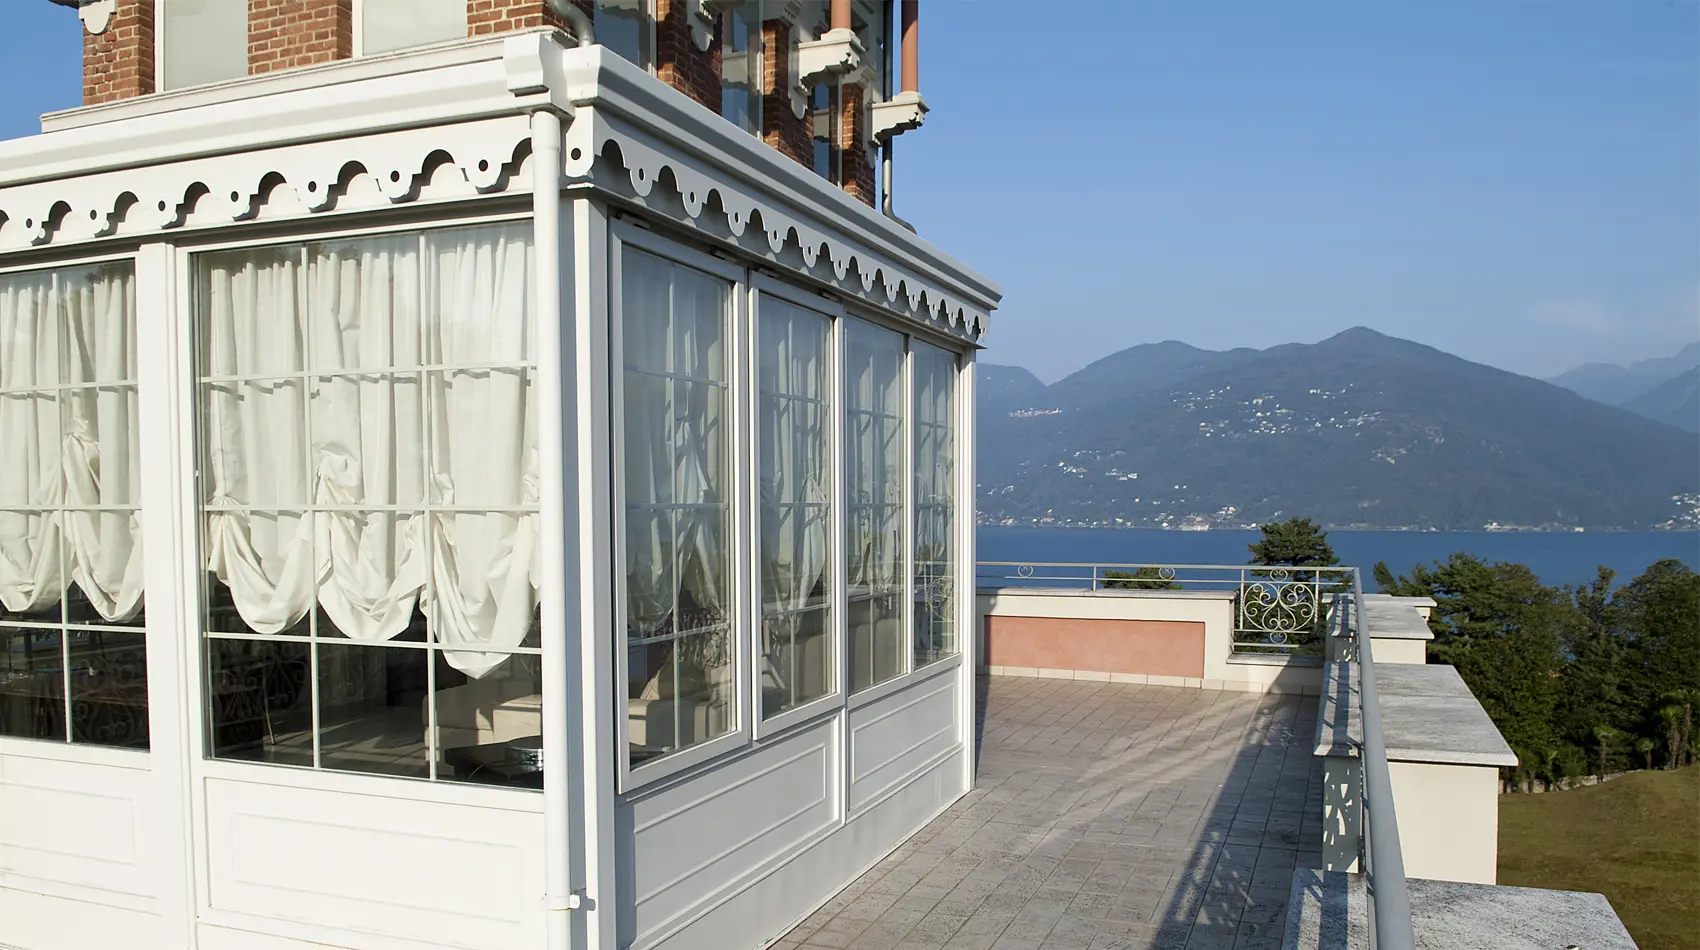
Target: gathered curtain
x=875, y=467
x=370, y=441
x=795, y=484
x=675, y=444
x=70, y=478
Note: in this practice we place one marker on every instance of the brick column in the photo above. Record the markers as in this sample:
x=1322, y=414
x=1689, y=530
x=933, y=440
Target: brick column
x=780, y=126
x=284, y=34
x=678, y=62
x=489, y=17
x=118, y=64
x=854, y=167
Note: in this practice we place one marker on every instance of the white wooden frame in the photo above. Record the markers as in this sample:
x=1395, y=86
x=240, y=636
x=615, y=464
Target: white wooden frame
x=624, y=233
x=833, y=311
x=20, y=745
x=188, y=381
x=965, y=574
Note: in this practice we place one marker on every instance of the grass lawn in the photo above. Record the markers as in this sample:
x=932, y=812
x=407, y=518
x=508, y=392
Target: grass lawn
x=1635, y=839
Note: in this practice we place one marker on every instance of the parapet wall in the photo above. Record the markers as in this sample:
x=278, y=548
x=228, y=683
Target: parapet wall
x=1157, y=637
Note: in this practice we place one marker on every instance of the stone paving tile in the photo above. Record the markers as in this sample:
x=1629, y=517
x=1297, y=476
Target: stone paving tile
x=1104, y=817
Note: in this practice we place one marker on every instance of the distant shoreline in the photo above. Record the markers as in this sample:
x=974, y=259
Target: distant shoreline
x=1346, y=529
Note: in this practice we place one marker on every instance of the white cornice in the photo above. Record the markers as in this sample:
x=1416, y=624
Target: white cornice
x=365, y=136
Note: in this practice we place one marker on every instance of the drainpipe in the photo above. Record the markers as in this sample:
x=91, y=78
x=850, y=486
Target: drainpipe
x=911, y=83
x=885, y=93
x=559, y=900
x=579, y=22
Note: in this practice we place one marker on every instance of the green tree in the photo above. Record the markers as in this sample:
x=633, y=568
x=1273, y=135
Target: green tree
x=1143, y=578
x=1500, y=627
x=1296, y=542
x=1678, y=715
x=1657, y=615
x=1645, y=747
x=1596, y=671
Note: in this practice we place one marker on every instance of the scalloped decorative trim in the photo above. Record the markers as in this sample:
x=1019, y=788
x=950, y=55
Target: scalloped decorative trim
x=316, y=175
x=855, y=269
x=486, y=156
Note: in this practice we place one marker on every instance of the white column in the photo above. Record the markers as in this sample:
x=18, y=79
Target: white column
x=591, y=657
x=165, y=398
x=967, y=632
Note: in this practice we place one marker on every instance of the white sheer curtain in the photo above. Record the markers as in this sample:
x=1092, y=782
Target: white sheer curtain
x=875, y=475
x=793, y=370
x=70, y=475
x=674, y=445
x=370, y=439
x=934, y=401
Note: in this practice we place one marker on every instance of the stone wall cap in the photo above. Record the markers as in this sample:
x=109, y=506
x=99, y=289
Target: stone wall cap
x=1328, y=910
x=1088, y=592
x=1428, y=715
x=1391, y=620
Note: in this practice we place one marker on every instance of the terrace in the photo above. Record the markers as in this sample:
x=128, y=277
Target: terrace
x=1195, y=757
x=1104, y=815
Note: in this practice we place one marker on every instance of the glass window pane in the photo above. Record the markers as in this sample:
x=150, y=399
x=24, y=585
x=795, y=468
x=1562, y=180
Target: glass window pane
x=489, y=730
x=381, y=390
x=795, y=563
x=741, y=67
x=109, y=687
x=205, y=41
x=876, y=475
x=372, y=709
x=398, y=24
x=70, y=483
x=935, y=504
x=260, y=701
x=623, y=26
x=674, y=446
x=32, y=683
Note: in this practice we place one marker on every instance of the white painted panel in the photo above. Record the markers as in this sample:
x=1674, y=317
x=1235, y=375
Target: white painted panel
x=896, y=738
x=767, y=906
x=376, y=864
x=701, y=838
x=43, y=922
x=76, y=824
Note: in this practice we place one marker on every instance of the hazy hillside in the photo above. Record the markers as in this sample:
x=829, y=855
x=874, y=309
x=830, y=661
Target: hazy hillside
x=1360, y=428
x=1676, y=401
x=1618, y=385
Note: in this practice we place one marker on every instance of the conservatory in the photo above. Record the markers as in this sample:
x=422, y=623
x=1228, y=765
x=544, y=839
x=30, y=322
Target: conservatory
x=556, y=509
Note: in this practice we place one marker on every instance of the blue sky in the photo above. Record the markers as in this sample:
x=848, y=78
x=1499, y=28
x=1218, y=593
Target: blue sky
x=1515, y=182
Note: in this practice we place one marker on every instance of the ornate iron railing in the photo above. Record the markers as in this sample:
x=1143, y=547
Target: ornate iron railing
x=1276, y=609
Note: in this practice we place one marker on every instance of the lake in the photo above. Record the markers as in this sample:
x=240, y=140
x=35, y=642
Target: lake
x=1558, y=558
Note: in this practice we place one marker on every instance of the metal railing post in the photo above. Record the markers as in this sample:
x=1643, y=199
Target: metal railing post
x=1384, y=863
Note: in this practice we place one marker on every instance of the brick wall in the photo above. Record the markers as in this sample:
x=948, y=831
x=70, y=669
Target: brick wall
x=118, y=64
x=284, y=34
x=855, y=169
x=780, y=126
x=678, y=62
x=489, y=17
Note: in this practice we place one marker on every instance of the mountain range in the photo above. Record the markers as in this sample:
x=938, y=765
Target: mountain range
x=1358, y=430
x=1666, y=389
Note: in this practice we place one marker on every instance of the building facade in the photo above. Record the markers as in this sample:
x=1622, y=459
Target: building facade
x=556, y=477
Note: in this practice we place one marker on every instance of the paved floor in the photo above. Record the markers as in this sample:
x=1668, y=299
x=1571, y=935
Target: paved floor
x=1105, y=816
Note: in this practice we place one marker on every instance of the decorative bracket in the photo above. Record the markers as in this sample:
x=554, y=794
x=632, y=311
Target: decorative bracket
x=837, y=52
x=897, y=115
x=703, y=17
x=96, y=14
